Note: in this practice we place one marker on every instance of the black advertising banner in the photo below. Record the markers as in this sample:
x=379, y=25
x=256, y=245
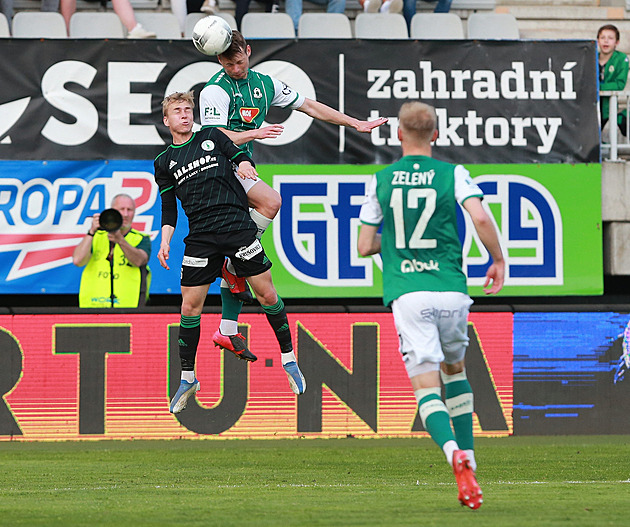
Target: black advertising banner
x=497, y=101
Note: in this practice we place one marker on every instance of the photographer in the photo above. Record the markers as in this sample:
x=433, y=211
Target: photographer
x=114, y=246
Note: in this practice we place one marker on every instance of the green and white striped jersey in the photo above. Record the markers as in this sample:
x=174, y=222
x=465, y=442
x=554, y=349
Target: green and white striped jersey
x=242, y=104
x=415, y=201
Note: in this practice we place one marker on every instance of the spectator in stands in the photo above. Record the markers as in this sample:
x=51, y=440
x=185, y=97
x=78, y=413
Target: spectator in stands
x=6, y=7
x=122, y=8
x=409, y=8
x=124, y=250
x=378, y=6
x=613, y=71
x=294, y=8
x=242, y=8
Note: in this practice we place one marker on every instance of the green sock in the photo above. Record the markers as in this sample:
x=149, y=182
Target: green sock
x=230, y=305
x=189, y=331
x=459, y=401
x=434, y=415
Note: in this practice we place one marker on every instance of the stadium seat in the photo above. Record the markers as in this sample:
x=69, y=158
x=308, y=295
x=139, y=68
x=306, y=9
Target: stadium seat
x=267, y=25
x=436, y=26
x=39, y=24
x=96, y=25
x=4, y=26
x=493, y=26
x=390, y=26
x=164, y=25
x=324, y=25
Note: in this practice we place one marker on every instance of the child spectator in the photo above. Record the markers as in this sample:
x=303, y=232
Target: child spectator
x=613, y=71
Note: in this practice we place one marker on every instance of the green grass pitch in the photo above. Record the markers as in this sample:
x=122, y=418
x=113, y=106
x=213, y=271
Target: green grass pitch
x=566, y=480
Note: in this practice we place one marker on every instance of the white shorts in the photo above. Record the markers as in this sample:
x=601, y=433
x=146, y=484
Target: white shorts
x=432, y=328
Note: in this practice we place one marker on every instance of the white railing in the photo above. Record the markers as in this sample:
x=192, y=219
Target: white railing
x=616, y=145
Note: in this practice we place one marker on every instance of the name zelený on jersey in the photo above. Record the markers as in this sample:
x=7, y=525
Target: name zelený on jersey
x=198, y=165
x=402, y=177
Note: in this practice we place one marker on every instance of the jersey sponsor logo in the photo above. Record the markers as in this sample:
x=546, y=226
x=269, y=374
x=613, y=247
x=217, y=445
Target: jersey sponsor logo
x=207, y=145
x=43, y=218
x=247, y=253
x=211, y=113
x=414, y=266
x=202, y=163
x=249, y=114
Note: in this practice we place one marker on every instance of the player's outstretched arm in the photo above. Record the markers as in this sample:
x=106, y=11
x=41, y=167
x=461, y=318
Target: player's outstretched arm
x=488, y=236
x=266, y=132
x=318, y=110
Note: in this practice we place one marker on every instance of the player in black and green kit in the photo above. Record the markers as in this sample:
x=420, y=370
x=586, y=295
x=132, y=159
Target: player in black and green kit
x=237, y=100
x=198, y=169
x=415, y=201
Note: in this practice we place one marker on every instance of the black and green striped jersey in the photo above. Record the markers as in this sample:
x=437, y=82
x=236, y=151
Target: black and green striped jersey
x=201, y=173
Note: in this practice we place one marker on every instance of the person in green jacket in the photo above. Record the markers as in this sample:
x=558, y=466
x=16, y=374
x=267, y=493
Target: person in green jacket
x=613, y=71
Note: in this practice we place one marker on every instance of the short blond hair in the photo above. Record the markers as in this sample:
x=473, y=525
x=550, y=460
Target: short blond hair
x=418, y=119
x=178, y=96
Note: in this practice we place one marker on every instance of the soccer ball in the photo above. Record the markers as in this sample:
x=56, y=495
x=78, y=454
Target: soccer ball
x=212, y=35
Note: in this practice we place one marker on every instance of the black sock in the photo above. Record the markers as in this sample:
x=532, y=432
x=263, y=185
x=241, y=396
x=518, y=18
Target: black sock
x=189, y=331
x=277, y=317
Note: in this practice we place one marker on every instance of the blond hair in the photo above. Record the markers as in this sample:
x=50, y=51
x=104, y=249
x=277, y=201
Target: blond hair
x=178, y=96
x=418, y=120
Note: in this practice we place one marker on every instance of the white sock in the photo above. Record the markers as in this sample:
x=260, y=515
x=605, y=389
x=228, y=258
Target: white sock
x=228, y=327
x=262, y=222
x=230, y=268
x=448, y=448
x=288, y=357
x=188, y=376
x=471, y=457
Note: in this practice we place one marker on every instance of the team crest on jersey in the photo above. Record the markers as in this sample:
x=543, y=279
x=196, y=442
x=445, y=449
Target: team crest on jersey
x=257, y=93
x=249, y=114
x=207, y=145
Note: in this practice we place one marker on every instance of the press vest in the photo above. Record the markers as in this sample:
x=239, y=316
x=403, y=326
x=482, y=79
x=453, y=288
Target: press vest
x=131, y=283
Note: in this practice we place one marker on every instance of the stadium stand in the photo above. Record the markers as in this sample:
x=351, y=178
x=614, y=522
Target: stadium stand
x=4, y=27
x=324, y=25
x=436, y=26
x=391, y=26
x=267, y=25
x=165, y=25
x=39, y=24
x=88, y=24
x=491, y=26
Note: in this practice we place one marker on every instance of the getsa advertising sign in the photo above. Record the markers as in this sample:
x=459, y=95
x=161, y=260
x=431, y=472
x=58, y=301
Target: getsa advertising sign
x=545, y=228
x=101, y=99
x=66, y=377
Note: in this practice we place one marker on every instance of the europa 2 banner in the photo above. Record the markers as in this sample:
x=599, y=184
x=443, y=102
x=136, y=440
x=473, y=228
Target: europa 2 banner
x=548, y=217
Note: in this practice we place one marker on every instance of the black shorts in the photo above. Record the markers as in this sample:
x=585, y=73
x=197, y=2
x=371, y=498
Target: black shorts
x=205, y=254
